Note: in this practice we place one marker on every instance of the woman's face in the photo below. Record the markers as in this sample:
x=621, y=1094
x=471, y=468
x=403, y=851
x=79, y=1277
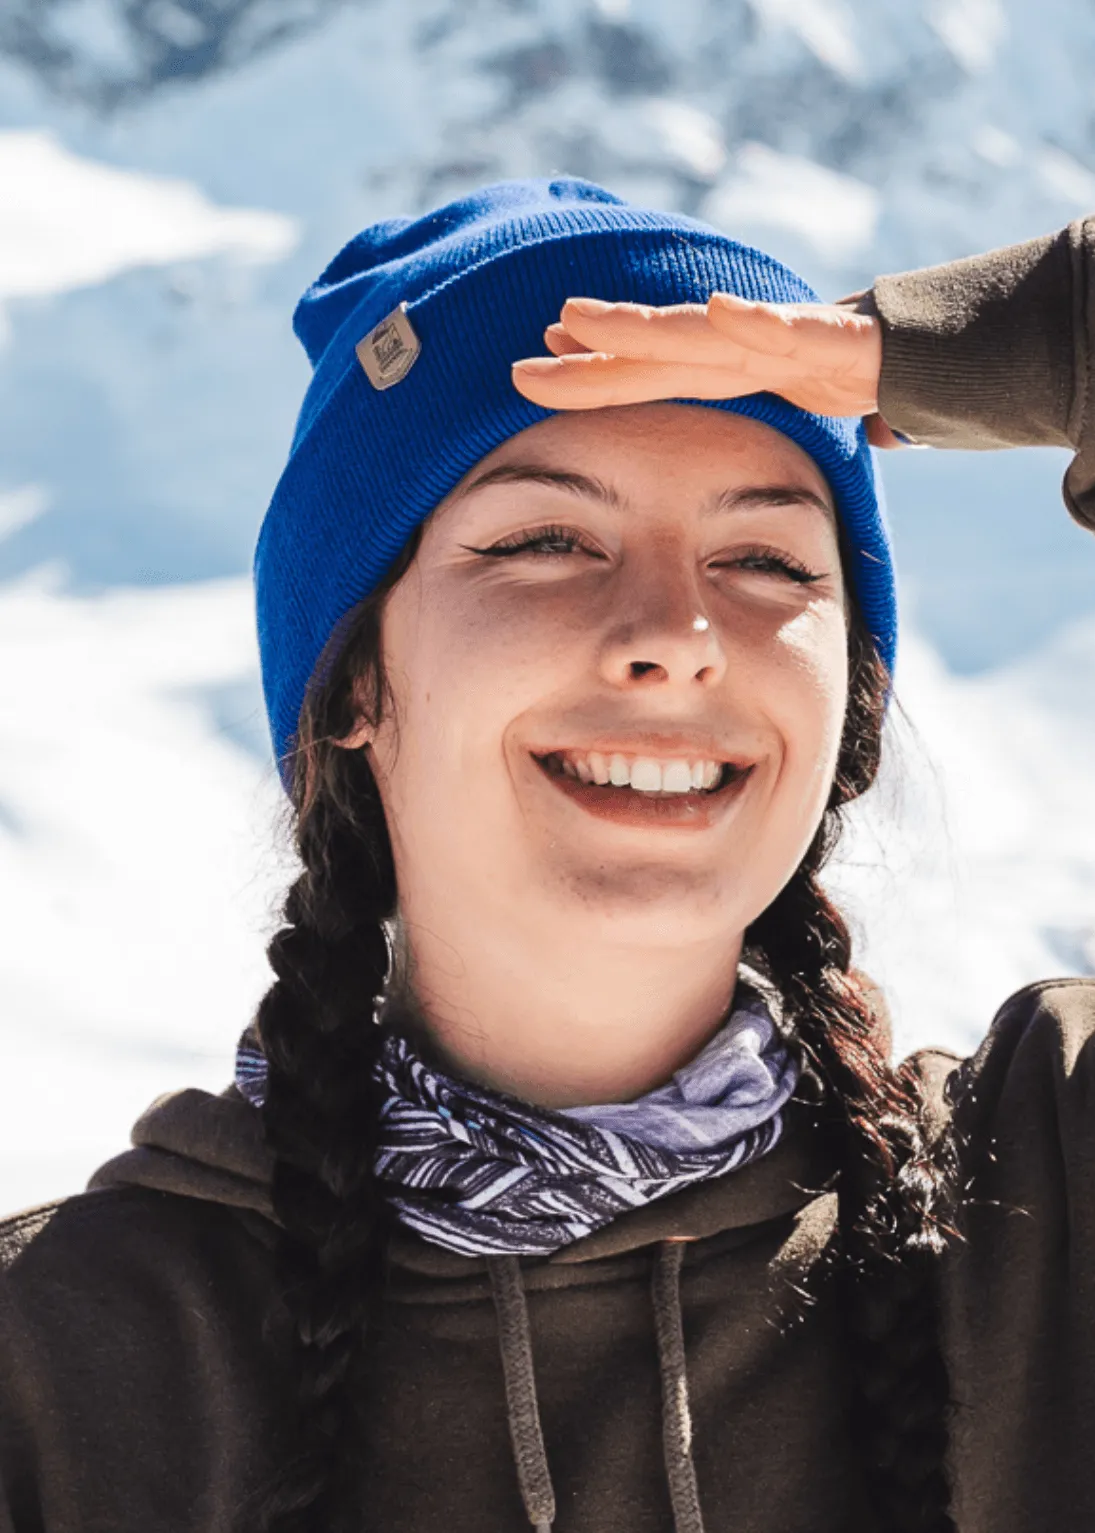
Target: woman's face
x=618, y=675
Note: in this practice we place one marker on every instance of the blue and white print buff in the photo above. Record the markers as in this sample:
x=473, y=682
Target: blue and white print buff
x=482, y=1173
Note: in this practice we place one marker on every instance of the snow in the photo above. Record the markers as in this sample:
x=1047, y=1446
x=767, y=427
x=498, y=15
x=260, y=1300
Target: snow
x=689, y=138
x=768, y=193
x=996, y=146
x=149, y=260
x=972, y=29
x=18, y=508
x=1066, y=177
x=827, y=27
x=92, y=27
x=139, y=862
x=970, y=870
x=68, y=222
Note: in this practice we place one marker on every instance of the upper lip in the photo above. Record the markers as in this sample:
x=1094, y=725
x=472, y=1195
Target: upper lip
x=662, y=747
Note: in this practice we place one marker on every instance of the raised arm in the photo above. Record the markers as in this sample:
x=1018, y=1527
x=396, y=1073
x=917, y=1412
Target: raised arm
x=996, y=351
x=986, y=352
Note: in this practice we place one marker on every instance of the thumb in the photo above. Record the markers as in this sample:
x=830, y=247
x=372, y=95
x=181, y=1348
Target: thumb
x=881, y=435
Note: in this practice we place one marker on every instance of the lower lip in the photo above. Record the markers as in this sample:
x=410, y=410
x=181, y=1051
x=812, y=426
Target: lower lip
x=627, y=806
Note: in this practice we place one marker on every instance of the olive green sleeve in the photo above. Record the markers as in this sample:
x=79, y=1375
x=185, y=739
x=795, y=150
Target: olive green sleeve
x=995, y=351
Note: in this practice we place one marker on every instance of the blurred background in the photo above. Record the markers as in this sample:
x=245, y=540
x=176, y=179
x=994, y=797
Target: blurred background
x=174, y=172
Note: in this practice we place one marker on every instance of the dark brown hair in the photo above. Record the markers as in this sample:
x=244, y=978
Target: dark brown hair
x=331, y=959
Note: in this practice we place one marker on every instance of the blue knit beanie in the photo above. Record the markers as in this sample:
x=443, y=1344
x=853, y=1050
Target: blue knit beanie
x=411, y=331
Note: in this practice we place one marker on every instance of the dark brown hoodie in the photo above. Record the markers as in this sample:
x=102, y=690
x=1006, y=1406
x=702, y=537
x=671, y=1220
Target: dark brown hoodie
x=146, y=1384
x=140, y=1391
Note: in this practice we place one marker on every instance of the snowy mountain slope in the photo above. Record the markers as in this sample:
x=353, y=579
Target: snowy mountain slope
x=969, y=870
x=846, y=135
x=139, y=863
x=148, y=384
x=125, y=220
x=108, y=54
x=957, y=116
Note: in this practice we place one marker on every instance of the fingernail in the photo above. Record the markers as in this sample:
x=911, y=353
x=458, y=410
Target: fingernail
x=591, y=307
x=536, y=365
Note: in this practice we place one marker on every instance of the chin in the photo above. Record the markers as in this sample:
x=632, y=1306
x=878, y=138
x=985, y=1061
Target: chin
x=650, y=902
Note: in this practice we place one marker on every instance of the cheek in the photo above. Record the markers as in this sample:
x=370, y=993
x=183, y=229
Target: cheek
x=809, y=700
x=462, y=664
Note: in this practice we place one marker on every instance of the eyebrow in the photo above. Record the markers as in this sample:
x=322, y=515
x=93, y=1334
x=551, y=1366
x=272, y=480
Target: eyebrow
x=747, y=496
x=586, y=485
x=744, y=498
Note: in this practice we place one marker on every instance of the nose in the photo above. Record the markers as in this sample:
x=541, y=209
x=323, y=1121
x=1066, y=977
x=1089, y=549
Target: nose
x=659, y=634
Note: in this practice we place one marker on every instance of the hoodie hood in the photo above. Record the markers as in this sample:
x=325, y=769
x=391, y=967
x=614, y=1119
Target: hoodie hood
x=211, y=1147
x=200, y=1146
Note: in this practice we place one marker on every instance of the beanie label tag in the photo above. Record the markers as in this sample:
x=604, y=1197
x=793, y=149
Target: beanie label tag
x=390, y=349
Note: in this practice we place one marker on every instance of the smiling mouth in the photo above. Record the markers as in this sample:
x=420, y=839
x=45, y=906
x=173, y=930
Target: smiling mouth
x=645, y=789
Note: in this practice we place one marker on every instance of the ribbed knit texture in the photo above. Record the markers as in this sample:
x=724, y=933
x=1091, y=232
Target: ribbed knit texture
x=481, y=278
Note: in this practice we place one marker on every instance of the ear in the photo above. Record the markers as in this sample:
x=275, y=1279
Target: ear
x=361, y=734
x=364, y=730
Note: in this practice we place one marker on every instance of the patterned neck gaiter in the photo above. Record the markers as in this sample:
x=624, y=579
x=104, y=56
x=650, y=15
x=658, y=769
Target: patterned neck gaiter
x=479, y=1172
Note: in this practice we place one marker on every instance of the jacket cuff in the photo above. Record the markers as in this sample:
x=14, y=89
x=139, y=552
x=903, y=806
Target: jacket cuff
x=984, y=352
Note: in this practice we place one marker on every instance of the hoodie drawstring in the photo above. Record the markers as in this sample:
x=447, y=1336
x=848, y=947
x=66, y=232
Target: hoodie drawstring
x=526, y=1434
x=680, y=1471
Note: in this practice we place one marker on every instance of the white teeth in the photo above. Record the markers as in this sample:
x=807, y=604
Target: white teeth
x=676, y=778
x=646, y=775
x=619, y=773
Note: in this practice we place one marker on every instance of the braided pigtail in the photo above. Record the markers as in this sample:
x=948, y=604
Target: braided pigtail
x=320, y=1115
x=896, y=1189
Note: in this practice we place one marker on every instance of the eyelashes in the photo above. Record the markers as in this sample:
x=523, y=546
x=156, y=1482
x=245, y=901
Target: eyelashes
x=556, y=542
x=549, y=542
x=772, y=561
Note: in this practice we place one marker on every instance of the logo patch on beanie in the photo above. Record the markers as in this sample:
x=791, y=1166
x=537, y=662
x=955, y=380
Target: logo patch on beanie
x=389, y=350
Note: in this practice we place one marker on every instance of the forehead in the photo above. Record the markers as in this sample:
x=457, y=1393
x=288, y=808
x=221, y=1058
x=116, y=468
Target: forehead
x=638, y=449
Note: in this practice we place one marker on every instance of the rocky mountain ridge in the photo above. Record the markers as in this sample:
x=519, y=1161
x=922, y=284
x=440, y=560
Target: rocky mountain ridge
x=956, y=119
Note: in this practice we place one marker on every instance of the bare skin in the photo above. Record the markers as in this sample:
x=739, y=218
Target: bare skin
x=822, y=357
x=653, y=581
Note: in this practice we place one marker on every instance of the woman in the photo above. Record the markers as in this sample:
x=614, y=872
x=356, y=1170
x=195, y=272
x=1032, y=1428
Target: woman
x=618, y=1215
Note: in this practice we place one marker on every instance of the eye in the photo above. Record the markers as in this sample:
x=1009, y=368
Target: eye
x=540, y=542
x=770, y=561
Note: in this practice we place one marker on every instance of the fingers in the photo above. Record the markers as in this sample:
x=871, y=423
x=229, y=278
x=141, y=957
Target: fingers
x=721, y=332
x=818, y=356
x=559, y=343
x=764, y=327
x=673, y=333
x=880, y=435
x=588, y=380
x=786, y=327
x=822, y=337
